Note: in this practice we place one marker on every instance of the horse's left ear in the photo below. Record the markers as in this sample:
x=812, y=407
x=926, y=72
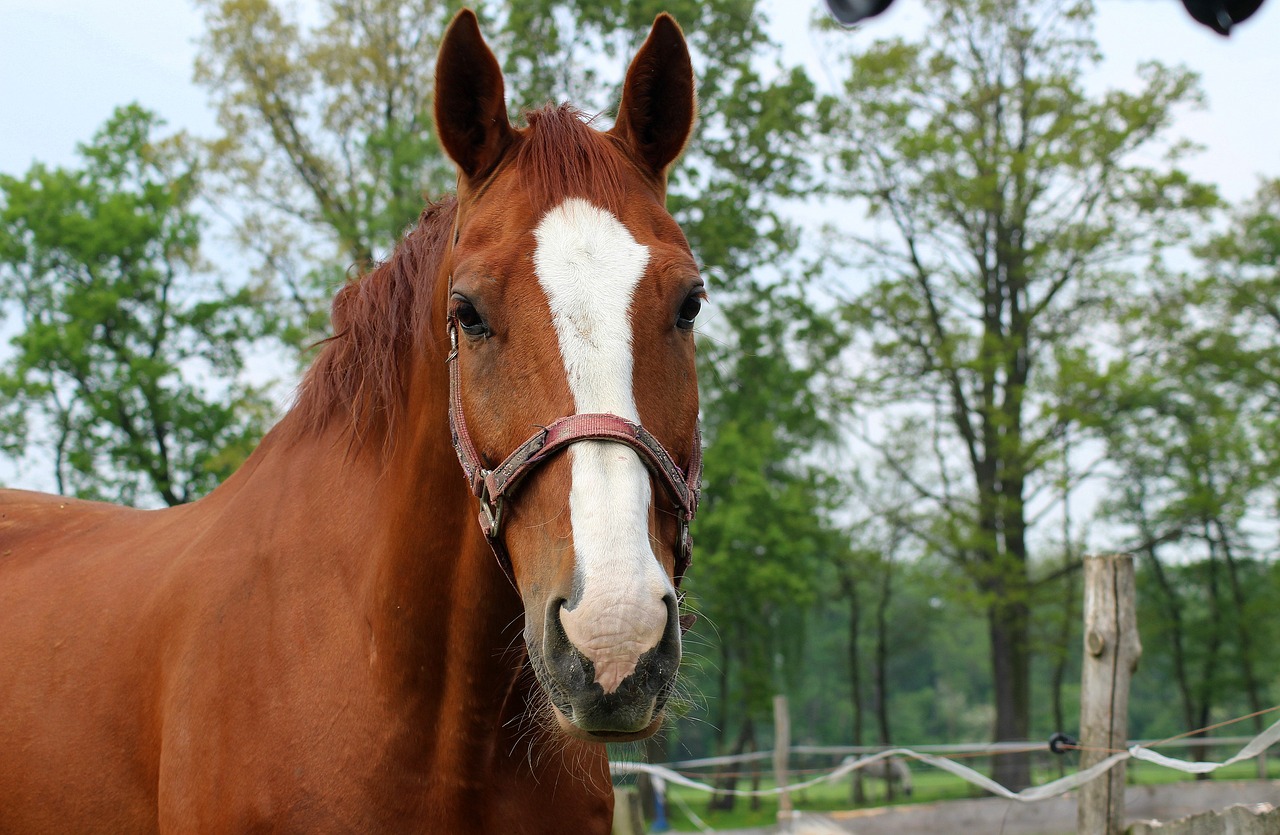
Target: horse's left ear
x=659, y=102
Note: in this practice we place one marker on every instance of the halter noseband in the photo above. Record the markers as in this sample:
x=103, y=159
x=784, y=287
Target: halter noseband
x=494, y=486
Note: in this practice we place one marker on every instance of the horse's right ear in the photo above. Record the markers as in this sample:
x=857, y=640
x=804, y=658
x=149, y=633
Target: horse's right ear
x=470, y=104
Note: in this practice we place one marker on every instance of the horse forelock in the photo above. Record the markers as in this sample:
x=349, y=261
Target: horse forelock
x=561, y=156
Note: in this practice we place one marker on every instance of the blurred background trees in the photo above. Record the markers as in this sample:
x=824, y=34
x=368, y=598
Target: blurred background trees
x=126, y=370
x=1013, y=202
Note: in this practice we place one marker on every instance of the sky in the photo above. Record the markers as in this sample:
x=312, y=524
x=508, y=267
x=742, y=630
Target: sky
x=65, y=64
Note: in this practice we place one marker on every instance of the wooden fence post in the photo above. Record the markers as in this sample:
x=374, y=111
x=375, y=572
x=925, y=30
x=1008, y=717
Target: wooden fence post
x=628, y=819
x=781, y=751
x=1111, y=652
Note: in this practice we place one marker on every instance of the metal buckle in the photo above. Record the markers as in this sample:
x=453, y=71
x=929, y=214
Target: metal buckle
x=686, y=544
x=490, y=514
x=453, y=342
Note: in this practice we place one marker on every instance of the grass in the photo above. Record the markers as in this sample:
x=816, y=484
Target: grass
x=930, y=785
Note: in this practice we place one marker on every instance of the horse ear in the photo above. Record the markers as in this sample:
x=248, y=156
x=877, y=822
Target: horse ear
x=470, y=105
x=659, y=102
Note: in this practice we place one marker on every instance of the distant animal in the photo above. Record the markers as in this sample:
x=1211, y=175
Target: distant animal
x=892, y=771
x=327, y=643
x=1218, y=15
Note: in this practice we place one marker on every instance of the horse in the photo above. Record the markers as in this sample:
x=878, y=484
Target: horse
x=328, y=641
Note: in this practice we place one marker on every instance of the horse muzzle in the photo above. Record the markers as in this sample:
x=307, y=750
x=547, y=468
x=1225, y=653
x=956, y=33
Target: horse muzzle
x=609, y=684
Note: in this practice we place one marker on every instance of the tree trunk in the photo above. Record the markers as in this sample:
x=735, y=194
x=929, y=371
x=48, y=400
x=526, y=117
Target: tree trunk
x=850, y=585
x=1003, y=577
x=1173, y=610
x=654, y=750
x=882, y=662
x=1207, y=688
x=1013, y=615
x=1008, y=620
x=886, y=737
x=727, y=776
x=723, y=801
x=1062, y=651
x=1063, y=655
x=1245, y=638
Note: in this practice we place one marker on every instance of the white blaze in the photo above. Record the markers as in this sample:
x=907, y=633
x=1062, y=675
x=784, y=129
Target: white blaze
x=589, y=265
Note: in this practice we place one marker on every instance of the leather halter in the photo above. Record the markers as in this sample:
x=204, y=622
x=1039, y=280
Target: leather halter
x=493, y=487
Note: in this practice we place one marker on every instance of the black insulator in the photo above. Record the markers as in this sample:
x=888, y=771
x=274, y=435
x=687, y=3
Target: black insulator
x=1060, y=743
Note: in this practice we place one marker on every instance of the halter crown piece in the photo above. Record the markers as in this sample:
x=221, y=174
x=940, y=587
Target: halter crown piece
x=493, y=487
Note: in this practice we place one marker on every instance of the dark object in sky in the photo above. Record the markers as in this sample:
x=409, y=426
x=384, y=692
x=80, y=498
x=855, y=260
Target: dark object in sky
x=1221, y=15
x=1218, y=15
x=849, y=12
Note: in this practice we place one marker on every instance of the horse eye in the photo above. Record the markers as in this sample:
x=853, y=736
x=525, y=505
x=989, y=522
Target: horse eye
x=469, y=319
x=688, y=312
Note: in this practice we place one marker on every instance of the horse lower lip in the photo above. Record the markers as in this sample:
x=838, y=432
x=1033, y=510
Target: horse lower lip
x=573, y=729
x=610, y=716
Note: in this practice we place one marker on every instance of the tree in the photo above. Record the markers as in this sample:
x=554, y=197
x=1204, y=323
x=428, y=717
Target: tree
x=1240, y=292
x=328, y=145
x=1190, y=419
x=752, y=145
x=764, y=533
x=1008, y=205
x=127, y=361
x=1187, y=473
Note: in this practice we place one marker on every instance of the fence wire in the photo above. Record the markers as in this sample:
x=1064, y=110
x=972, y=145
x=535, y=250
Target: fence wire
x=850, y=764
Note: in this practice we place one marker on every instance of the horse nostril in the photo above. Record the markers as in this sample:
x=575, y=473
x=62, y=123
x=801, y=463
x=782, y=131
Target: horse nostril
x=567, y=664
x=554, y=638
x=673, y=607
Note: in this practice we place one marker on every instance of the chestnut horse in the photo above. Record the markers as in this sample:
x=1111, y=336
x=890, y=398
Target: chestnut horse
x=326, y=643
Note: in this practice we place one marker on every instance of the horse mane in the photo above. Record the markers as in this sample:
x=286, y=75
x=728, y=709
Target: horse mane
x=380, y=317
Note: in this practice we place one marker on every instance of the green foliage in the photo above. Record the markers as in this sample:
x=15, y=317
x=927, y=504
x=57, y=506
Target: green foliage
x=1183, y=434
x=125, y=366
x=1206, y=632
x=1189, y=416
x=1239, y=294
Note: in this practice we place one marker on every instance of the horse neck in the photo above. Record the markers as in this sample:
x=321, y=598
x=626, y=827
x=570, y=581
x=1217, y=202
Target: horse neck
x=397, y=522
x=435, y=587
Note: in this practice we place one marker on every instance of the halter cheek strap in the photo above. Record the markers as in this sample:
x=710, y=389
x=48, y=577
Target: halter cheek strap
x=493, y=487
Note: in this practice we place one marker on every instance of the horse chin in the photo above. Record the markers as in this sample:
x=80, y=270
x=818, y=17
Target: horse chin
x=570, y=729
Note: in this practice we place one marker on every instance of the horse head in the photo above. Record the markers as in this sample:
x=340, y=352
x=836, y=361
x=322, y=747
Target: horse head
x=572, y=296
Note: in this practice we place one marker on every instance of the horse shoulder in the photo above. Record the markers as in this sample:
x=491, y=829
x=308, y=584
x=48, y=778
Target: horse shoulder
x=78, y=661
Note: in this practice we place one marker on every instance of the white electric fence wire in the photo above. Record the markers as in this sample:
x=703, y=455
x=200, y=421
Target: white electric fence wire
x=689, y=813
x=1063, y=785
